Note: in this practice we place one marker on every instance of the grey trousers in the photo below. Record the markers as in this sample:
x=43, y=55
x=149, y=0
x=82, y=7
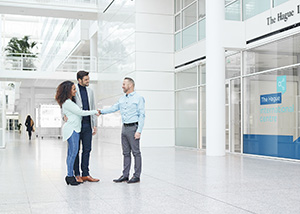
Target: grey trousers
x=129, y=144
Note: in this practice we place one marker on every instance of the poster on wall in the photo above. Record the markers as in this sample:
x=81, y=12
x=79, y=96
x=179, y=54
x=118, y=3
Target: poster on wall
x=50, y=116
x=271, y=129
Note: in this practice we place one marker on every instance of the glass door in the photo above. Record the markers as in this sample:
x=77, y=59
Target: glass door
x=227, y=115
x=235, y=115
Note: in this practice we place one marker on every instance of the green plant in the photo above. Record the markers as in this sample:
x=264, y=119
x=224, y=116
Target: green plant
x=22, y=48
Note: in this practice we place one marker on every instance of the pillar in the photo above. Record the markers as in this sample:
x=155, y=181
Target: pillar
x=215, y=79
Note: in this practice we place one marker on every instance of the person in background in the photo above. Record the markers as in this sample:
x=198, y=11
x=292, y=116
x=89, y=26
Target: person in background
x=132, y=108
x=65, y=94
x=29, y=124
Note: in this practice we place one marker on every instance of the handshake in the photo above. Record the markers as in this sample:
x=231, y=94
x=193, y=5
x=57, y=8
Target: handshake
x=99, y=112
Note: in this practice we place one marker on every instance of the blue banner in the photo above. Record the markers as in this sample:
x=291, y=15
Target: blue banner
x=268, y=99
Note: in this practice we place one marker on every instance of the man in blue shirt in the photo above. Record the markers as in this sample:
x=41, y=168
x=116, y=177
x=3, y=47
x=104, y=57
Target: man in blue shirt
x=132, y=108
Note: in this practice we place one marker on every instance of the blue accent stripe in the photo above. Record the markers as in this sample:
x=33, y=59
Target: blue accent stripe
x=272, y=145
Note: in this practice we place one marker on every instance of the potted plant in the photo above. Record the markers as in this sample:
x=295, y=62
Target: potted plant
x=22, y=48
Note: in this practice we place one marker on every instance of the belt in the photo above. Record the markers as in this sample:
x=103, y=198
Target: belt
x=130, y=124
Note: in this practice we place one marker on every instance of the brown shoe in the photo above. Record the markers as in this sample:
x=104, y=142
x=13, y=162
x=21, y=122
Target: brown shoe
x=78, y=179
x=89, y=178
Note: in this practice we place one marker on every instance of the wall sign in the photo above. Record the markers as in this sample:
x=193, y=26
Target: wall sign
x=268, y=99
x=283, y=16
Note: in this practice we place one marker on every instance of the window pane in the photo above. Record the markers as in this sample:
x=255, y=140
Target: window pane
x=254, y=7
x=201, y=9
x=187, y=78
x=233, y=66
x=202, y=74
x=233, y=11
x=186, y=118
x=202, y=29
x=189, y=15
x=189, y=35
x=187, y=2
x=228, y=1
x=278, y=2
x=202, y=122
x=177, y=23
x=271, y=56
x=177, y=6
x=177, y=41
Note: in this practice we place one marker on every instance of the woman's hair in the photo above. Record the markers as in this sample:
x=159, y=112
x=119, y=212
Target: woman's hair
x=63, y=92
x=28, y=118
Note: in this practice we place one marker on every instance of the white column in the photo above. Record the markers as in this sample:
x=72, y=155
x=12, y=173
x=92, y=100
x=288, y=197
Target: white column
x=215, y=78
x=93, y=51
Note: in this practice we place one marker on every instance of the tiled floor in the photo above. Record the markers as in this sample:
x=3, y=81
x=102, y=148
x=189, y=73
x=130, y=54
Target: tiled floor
x=173, y=181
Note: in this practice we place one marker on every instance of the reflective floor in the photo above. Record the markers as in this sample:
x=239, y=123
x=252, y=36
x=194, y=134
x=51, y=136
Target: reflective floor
x=173, y=181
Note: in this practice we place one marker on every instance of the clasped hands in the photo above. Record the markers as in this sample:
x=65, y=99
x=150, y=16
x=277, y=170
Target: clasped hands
x=99, y=112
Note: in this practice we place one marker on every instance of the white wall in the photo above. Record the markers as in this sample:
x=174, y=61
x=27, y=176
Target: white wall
x=135, y=45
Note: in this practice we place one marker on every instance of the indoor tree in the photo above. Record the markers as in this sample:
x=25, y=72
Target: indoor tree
x=22, y=48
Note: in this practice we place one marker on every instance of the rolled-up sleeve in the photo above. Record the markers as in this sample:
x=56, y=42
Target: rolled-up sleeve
x=141, y=114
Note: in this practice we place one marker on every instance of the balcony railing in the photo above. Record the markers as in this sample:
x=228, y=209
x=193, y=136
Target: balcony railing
x=19, y=61
x=59, y=2
x=30, y=62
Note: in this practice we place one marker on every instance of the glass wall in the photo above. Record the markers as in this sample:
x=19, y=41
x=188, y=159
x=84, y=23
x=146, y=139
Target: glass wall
x=233, y=10
x=235, y=115
x=272, y=114
x=277, y=54
x=189, y=16
x=278, y=2
x=189, y=22
x=202, y=117
x=271, y=99
x=186, y=118
x=254, y=7
x=190, y=107
x=186, y=107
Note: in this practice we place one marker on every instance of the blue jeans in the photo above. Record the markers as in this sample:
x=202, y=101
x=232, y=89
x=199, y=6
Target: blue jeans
x=73, y=143
x=86, y=140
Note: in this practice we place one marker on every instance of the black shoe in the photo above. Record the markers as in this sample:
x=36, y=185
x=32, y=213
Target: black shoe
x=71, y=180
x=121, y=179
x=133, y=180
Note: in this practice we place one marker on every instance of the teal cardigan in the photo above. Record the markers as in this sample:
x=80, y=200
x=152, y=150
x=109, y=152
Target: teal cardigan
x=74, y=114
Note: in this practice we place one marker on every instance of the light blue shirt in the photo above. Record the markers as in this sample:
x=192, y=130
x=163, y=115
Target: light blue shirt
x=74, y=114
x=132, y=108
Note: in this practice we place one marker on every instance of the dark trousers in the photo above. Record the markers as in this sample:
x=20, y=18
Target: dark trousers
x=129, y=144
x=29, y=134
x=86, y=140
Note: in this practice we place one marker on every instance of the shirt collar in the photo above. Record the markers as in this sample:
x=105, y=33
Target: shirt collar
x=131, y=94
x=81, y=87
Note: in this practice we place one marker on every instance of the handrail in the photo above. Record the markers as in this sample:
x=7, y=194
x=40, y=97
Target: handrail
x=59, y=2
x=31, y=62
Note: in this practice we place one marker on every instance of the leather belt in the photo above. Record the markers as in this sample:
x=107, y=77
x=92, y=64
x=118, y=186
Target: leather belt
x=130, y=124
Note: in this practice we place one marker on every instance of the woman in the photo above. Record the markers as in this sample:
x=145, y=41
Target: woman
x=71, y=129
x=29, y=124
